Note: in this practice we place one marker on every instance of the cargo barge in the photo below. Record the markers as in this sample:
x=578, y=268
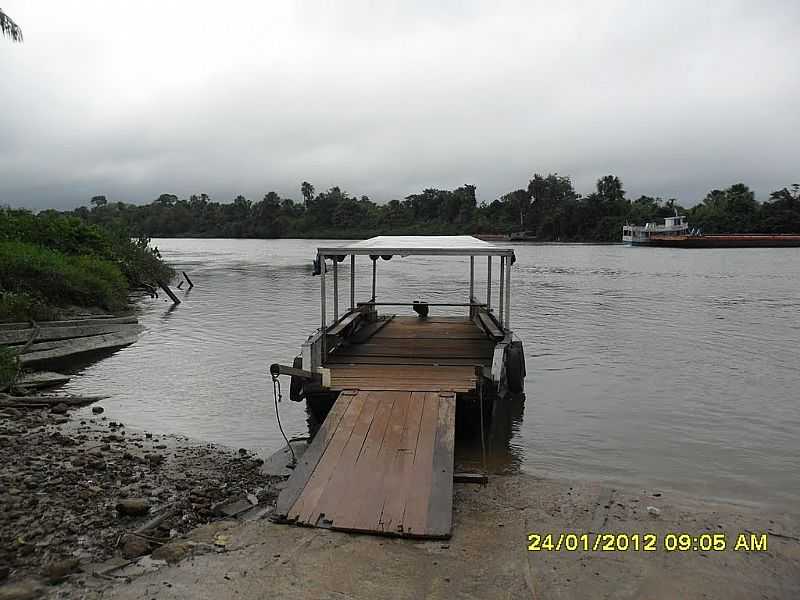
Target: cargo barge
x=676, y=233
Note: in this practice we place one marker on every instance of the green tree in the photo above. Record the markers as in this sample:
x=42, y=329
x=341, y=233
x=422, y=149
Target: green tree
x=99, y=201
x=9, y=28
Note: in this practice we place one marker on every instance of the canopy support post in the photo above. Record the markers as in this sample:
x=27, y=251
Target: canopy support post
x=322, y=301
x=352, y=282
x=508, y=293
x=374, y=268
x=489, y=284
x=502, y=281
x=471, y=283
x=336, y=289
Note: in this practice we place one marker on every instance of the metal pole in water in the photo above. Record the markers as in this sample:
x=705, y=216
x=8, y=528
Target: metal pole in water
x=489, y=284
x=508, y=292
x=502, y=279
x=335, y=289
x=352, y=282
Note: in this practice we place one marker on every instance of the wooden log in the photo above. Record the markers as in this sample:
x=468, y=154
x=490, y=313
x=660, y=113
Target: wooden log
x=189, y=281
x=169, y=292
x=42, y=401
x=41, y=379
x=46, y=334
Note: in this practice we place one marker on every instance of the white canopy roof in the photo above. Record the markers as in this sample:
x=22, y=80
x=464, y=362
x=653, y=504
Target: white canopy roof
x=405, y=245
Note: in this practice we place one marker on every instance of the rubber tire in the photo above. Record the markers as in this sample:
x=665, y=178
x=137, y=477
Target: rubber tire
x=296, y=385
x=515, y=368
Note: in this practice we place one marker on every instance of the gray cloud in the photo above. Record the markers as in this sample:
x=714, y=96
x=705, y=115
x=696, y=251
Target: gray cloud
x=134, y=99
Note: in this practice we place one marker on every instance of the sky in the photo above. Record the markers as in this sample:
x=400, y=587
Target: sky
x=134, y=99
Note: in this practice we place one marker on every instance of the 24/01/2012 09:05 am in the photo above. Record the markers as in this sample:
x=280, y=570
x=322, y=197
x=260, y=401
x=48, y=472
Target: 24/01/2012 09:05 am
x=647, y=542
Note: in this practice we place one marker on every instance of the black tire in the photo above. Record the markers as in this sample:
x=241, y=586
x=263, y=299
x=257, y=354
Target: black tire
x=296, y=392
x=515, y=368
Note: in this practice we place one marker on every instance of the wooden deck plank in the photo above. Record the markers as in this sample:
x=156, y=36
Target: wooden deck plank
x=418, y=497
x=338, y=491
x=406, y=360
x=375, y=473
x=366, y=475
x=308, y=462
x=400, y=469
x=327, y=464
x=439, y=522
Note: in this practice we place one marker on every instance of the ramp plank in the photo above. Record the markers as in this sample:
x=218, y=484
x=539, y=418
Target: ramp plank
x=383, y=464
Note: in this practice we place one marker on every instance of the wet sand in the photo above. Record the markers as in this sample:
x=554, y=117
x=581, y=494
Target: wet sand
x=487, y=556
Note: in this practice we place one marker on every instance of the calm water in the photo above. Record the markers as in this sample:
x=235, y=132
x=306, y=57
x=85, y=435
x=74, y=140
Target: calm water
x=658, y=367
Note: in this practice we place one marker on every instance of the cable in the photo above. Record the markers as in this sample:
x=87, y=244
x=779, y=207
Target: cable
x=276, y=392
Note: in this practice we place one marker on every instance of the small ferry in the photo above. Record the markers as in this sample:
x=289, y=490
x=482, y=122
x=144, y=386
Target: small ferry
x=387, y=386
x=638, y=235
x=676, y=233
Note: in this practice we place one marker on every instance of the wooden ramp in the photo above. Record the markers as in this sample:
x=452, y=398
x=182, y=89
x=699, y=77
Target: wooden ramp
x=382, y=462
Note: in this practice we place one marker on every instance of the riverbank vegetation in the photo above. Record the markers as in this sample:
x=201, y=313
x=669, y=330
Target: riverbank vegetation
x=548, y=208
x=51, y=264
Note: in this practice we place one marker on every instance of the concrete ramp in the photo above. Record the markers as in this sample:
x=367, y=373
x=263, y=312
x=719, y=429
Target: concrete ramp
x=381, y=463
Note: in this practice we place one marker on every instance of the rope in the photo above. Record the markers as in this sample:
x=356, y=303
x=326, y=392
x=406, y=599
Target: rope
x=483, y=437
x=276, y=392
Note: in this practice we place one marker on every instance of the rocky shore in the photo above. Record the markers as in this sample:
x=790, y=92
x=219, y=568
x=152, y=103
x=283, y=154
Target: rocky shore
x=81, y=496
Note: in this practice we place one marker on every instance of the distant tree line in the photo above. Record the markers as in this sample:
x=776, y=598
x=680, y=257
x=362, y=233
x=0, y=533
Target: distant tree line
x=549, y=208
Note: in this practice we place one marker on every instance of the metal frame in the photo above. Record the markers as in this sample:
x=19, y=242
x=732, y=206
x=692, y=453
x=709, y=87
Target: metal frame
x=506, y=257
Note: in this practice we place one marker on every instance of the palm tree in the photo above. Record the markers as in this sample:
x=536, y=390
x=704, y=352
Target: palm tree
x=9, y=28
x=308, y=191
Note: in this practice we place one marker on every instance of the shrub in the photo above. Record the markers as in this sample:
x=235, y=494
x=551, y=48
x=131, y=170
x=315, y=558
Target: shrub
x=23, y=306
x=61, y=279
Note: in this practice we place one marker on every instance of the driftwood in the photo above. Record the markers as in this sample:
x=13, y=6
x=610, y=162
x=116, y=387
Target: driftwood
x=169, y=292
x=7, y=400
x=40, y=379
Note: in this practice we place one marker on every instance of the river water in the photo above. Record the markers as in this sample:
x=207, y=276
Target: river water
x=660, y=367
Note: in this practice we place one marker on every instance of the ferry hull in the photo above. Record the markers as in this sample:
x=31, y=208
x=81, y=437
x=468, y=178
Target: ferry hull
x=723, y=241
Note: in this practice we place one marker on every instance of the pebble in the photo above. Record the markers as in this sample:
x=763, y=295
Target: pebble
x=133, y=506
x=97, y=410
x=655, y=512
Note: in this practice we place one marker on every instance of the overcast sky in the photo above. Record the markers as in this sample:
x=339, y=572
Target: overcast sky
x=132, y=99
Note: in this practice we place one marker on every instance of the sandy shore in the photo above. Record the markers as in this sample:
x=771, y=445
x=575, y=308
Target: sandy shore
x=64, y=534
x=488, y=555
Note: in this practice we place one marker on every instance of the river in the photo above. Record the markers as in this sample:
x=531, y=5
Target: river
x=667, y=368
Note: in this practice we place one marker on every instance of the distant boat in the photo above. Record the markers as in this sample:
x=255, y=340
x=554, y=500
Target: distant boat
x=676, y=233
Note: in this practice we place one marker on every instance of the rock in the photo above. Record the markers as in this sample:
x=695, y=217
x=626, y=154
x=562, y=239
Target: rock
x=133, y=506
x=133, y=546
x=172, y=553
x=58, y=570
x=59, y=409
x=21, y=590
x=654, y=512
x=155, y=459
x=97, y=410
